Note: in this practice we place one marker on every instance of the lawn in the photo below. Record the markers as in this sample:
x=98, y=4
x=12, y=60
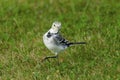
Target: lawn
x=23, y=23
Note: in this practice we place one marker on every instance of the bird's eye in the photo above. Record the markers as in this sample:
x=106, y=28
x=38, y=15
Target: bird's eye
x=54, y=24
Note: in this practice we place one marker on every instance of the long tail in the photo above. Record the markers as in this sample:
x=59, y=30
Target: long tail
x=74, y=43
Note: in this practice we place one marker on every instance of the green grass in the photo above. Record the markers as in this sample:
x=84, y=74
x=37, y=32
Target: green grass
x=23, y=23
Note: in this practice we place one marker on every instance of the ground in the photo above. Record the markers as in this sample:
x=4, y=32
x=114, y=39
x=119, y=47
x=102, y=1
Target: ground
x=23, y=23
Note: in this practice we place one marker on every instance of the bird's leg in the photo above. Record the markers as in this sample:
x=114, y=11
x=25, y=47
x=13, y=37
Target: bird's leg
x=47, y=58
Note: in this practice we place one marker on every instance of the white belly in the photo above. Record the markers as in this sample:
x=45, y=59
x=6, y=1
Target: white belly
x=51, y=45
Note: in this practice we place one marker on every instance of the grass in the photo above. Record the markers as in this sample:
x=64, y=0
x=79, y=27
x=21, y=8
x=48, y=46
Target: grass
x=23, y=23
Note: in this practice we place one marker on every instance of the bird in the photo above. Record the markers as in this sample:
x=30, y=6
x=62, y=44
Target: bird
x=54, y=41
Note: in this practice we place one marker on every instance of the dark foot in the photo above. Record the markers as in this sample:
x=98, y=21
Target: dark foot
x=47, y=58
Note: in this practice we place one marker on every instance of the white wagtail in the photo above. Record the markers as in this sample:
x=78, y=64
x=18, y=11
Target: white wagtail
x=55, y=42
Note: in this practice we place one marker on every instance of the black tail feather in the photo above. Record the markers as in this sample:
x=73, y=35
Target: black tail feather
x=72, y=43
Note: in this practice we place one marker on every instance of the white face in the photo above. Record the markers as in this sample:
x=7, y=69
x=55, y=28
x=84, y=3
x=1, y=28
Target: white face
x=56, y=25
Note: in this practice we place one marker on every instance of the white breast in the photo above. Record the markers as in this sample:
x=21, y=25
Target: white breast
x=51, y=44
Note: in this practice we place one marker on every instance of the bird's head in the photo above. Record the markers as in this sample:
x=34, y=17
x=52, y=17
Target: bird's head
x=56, y=26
